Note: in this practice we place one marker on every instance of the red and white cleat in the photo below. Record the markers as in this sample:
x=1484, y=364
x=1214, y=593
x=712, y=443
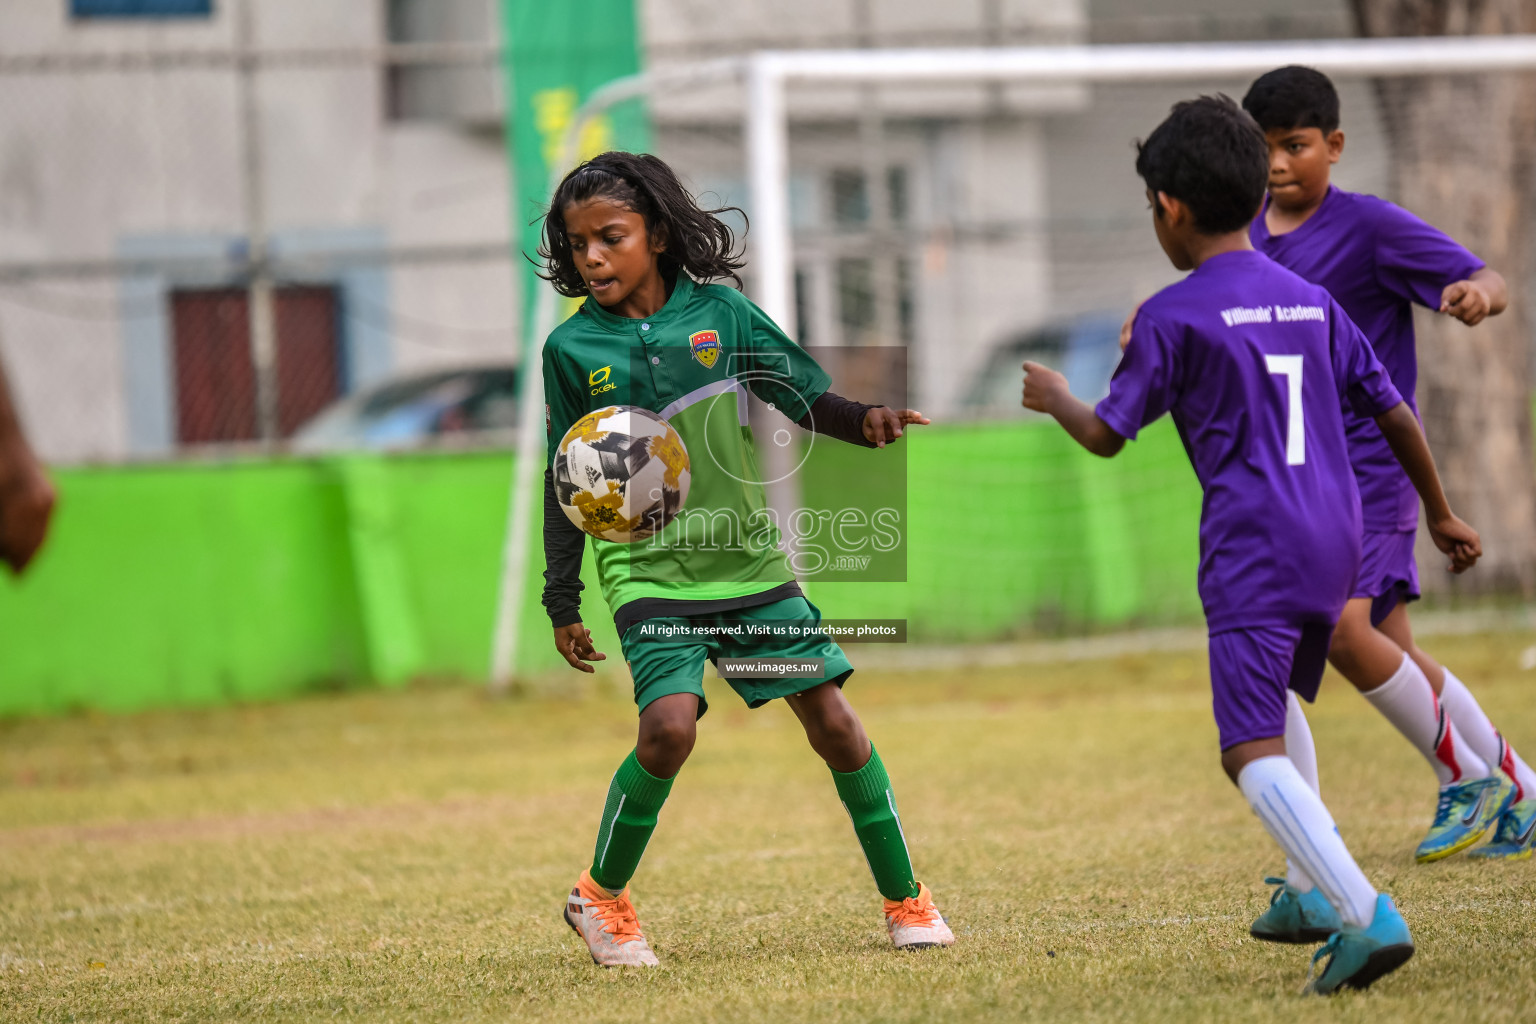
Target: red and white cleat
x=608, y=925
x=915, y=923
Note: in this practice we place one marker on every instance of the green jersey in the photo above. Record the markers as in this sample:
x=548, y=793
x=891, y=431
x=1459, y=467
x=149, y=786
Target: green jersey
x=692, y=363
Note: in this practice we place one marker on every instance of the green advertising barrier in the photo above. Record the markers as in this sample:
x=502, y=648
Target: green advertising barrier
x=1015, y=530
x=202, y=583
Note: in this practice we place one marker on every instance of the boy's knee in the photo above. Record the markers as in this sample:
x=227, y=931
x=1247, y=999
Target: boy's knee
x=1363, y=655
x=665, y=741
x=1351, y=627
x=1347, y=663
x=1239, y=756
x=1350, y=637
x=837, y=731
x=838, y=736
x=670, y=734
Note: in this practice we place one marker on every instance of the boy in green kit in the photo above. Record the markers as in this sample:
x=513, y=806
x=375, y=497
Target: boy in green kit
x=622, y=231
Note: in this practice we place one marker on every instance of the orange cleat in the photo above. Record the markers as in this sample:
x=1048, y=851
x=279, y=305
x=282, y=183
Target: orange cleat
x=915, y=923
x=608, y=925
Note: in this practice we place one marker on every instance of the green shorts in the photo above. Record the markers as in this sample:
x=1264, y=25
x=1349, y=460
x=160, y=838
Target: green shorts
x=663, y=665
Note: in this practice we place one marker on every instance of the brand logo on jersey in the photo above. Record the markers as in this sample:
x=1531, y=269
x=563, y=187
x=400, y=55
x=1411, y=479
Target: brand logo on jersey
x=706, y=347
x=598, y=380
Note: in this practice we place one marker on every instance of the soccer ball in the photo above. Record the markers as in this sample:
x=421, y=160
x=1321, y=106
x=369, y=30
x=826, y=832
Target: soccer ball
x=622, y=473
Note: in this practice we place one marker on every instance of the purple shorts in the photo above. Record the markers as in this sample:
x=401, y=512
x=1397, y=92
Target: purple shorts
x=1252, y=668
x=1388, y=575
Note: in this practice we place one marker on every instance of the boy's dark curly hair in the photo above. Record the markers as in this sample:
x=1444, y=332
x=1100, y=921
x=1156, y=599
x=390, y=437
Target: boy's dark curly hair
x=1294, y=97
x=698, y=241
x=1210, y=155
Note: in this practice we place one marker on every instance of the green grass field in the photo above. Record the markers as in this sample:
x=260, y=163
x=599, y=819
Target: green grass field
x=404, y=857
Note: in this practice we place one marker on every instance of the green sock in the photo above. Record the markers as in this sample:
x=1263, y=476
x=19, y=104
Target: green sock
x=635, y=797
x=867, y=797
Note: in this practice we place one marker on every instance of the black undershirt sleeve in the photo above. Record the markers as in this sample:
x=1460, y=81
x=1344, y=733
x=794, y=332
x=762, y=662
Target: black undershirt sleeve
x=563, y=546
x=836, y=416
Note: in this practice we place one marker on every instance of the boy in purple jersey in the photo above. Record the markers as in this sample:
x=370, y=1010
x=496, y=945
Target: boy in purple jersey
x=1254, y=364
x=1376, y=259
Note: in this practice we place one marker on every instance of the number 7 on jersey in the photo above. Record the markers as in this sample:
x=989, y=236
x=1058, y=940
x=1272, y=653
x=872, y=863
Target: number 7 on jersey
x=1295, y=427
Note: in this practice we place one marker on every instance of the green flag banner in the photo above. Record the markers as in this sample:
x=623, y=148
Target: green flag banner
x=557, y=54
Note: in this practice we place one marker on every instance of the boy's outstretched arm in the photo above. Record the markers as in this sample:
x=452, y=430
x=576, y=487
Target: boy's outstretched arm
x=1046, y=391
x=26, y=495
x=871, y=426
x=1401, y=429
x=882, y=425
x=1482, y=295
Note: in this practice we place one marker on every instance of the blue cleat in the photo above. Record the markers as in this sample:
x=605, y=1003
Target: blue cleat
x=1295, y=916
x=1464, y=815
x=1515, y=837
x=1358, y=956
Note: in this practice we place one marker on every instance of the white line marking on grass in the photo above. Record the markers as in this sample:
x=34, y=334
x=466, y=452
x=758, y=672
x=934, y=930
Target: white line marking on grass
x=924, y=657
x=1119, y=925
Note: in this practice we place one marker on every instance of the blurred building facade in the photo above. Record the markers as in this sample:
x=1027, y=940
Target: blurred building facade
x=360, y=146
x=134, y=151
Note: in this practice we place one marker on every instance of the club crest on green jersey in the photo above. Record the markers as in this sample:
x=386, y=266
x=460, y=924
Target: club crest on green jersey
x=706, y=347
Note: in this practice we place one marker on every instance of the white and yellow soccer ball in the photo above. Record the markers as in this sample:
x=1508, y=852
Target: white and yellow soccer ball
x=622, y=473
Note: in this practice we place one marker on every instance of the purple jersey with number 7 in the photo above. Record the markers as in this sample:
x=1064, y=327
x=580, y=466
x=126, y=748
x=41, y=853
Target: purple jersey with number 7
x=1254, y=364
x=1376, y=260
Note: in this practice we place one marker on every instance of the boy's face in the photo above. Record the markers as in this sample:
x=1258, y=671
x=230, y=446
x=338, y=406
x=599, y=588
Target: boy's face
x=612, y=250
x=1299, y=159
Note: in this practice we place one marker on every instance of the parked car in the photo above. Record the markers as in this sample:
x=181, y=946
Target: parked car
x=1086, y=349
x=465, y=406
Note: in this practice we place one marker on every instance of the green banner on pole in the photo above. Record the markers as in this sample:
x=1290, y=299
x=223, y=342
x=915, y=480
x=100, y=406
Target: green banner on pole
x=557, y=54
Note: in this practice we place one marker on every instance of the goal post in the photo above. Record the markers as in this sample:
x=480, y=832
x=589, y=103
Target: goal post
x=769, y=72
x=764, y=80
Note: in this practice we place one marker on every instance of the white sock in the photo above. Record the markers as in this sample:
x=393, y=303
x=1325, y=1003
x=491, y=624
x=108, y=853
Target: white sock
x=1296, y=818
x=1303, y=754
x=1409, y=702
x=1483, y=738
